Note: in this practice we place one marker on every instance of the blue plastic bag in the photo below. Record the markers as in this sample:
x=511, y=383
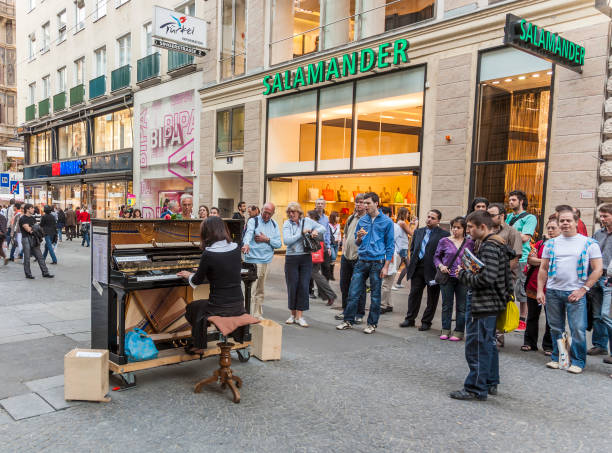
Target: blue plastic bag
x=139, y=346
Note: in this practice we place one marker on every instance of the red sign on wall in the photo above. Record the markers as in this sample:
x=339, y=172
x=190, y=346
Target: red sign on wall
x=55, y=169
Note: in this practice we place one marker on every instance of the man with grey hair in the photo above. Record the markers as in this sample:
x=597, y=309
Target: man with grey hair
x=262, y=236
x=171, y=209
x=187, y=206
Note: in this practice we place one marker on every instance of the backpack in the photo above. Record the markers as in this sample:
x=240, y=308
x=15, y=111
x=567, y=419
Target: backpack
x=246, y=224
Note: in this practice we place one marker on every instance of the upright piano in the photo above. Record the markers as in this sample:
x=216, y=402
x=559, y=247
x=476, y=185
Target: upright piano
x=134, y=285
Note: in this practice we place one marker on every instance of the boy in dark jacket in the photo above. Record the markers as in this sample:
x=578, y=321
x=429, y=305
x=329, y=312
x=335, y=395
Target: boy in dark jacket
x=490, y=292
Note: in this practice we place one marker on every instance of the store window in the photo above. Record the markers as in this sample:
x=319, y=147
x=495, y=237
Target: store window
x=97, y=196
x=300, y=27
x=511, y=141
x=335, y=124
x=113, y=131
x=39, y=148
x=73, y=195
x=230, y=131
x=292, y=133
x=57, y=195
x=71, y=140
x=233, y=38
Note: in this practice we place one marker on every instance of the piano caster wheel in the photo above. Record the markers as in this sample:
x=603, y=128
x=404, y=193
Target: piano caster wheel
x=243, y=355
x=128, y=380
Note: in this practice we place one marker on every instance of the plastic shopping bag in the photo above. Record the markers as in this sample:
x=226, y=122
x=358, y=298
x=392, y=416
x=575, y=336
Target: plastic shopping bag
x=563, y=344
x=139, y=346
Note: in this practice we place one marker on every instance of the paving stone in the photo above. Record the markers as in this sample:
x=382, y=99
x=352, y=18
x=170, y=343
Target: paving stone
x=81, y=337
x=55, y=397
x=26, y=406
x=5, y=418
x=39, y=385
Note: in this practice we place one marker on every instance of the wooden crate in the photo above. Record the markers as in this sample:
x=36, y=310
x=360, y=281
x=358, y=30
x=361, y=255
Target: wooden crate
x=266, y=340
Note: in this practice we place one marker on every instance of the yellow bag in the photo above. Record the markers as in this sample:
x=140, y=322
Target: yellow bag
x=508, y=320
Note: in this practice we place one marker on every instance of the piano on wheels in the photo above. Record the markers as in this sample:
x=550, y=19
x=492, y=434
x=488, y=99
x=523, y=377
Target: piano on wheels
x=134, y=285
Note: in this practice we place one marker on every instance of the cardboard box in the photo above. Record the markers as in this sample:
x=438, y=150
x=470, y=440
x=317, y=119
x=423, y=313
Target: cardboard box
x=86, y=375
x=267, y=339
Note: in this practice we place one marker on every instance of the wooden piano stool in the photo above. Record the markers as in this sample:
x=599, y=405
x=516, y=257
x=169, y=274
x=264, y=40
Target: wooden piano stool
x=224, y=374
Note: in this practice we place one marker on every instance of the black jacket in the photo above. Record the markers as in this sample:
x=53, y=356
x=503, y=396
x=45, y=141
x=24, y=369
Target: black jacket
x=430, y=269
x=491, y=287
x=48, y=224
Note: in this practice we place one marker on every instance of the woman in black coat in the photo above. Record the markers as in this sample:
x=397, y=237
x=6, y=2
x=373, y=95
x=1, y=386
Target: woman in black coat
x=49, y=227
x=220, y=266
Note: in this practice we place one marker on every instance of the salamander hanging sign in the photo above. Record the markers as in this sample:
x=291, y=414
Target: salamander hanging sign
x=385, y=55
x=542, y=43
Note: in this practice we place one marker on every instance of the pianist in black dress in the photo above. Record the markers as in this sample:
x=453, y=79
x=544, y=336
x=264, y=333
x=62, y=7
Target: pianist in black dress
x=220, y=265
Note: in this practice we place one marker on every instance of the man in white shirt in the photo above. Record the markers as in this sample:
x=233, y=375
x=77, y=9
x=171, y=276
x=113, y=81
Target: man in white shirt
x=566, y=261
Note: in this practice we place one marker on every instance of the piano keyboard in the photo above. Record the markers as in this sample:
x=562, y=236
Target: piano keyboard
x=154, y=278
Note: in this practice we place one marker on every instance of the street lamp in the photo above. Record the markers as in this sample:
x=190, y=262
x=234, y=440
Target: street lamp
x=605, y=6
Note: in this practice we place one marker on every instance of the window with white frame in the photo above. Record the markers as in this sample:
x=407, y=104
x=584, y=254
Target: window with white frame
x=100, y=57
x=61, y=26
x=123, y=46
x=46, y=87
x=46, y=37
x=31, y=44
x=61, y=80
x=32, y=93
x=118, y=3
x=188, y=8
x=79, y=71
x=147, y=33
x=31, y=5
x=100, y=9
x=79, y=15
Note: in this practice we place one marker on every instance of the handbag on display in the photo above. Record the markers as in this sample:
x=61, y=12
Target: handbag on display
x=385, y=197
x=343, y=195
x=398, y=197
x=410, y=198
x=328, y=194
x=313, y=193
x=318, y=256
x=310, y=244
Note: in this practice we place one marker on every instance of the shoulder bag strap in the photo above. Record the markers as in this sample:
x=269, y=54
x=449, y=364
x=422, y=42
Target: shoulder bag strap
x=458, y=251
x=518, y=217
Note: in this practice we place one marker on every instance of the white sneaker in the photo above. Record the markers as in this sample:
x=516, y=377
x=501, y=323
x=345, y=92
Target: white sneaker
x=301, y=322
x=574, y=369
x=369, y=329
x=553, y=365
x=291, y=320
x=395, y=287
x=344, y=326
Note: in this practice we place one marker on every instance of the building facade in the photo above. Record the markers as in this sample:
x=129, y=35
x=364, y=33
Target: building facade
x=11, y=148
x=85, y=67
x=418, y=100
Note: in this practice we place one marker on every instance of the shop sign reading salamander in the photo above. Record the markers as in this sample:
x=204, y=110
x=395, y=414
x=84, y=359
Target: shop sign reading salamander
x=386, y=55
x=542, y=43
x=179, y=32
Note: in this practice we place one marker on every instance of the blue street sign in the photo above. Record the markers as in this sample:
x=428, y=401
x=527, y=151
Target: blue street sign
x=4, y=179
x=15, y=187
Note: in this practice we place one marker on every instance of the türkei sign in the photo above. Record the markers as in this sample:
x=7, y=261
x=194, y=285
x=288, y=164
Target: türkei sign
x=188, y=33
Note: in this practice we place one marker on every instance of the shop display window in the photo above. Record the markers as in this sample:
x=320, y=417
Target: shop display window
x=72, y=141
x=113, y=131
x=97, y=197
x=58, y=195
x=155, y=192
x=511, y=140
x=395, y=189
x=335, y=124
x=292, y=132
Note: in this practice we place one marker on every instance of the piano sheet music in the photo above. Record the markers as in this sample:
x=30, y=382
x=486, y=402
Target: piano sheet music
x=99, y=244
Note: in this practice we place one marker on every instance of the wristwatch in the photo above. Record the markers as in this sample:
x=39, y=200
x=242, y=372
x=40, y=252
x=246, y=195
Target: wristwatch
x=586, y=288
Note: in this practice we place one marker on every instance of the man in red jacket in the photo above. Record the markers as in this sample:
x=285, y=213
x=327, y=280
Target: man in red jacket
x=85, y=220
x=581, y=228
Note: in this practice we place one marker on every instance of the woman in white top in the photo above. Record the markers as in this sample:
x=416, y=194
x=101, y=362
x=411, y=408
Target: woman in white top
x=402, y=241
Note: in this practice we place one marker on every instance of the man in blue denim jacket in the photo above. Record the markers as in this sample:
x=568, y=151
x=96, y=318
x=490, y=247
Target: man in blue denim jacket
x=375, y=239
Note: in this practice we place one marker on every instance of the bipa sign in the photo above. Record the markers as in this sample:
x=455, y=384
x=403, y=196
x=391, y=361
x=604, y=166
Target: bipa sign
x=169, y=25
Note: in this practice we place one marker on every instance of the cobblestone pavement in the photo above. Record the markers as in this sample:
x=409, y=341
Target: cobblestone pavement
x=332, y=391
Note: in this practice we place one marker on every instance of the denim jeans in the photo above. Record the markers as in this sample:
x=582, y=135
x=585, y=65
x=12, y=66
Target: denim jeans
x=85, y=233
x=600, y=336
x=49, y=249
x=451, y=291
x=606, y=315
x=557, y=304
x=17, y=245
x=347, y=267
x=334, y=252
x=481, y=355
x=361, y=272
x=298, y=269
x=60, y=227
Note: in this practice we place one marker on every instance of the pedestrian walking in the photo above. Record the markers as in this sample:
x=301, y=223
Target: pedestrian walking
x=386, y=304
x=375, y=239
x=403, y=235
x=61, y=221
x=566, y=261
x=447, y=260
x=31, y=240
x=350, y=254
x=491, y=289
x=525, y=224
x=49, y=227
x=534, y=309
x=335, y=237
x=325, y=291
x=261, y=238
x=71, y=221
x=600, y=337
x=85, y=220
x=298, y=262
x=3, y=232
x=324, y=221
x=422, y=271
x=77, y=214
x=16, y=236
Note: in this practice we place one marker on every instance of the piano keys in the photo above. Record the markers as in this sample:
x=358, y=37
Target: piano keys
x=134, y=284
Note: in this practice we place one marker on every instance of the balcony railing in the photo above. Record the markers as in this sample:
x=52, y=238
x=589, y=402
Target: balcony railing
x=30, y=112
x=120, y=77
x=177, y=60
x=77, y=95
x=43, y=107
x=59, y=101
x=97, y=87
x=148, y=67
